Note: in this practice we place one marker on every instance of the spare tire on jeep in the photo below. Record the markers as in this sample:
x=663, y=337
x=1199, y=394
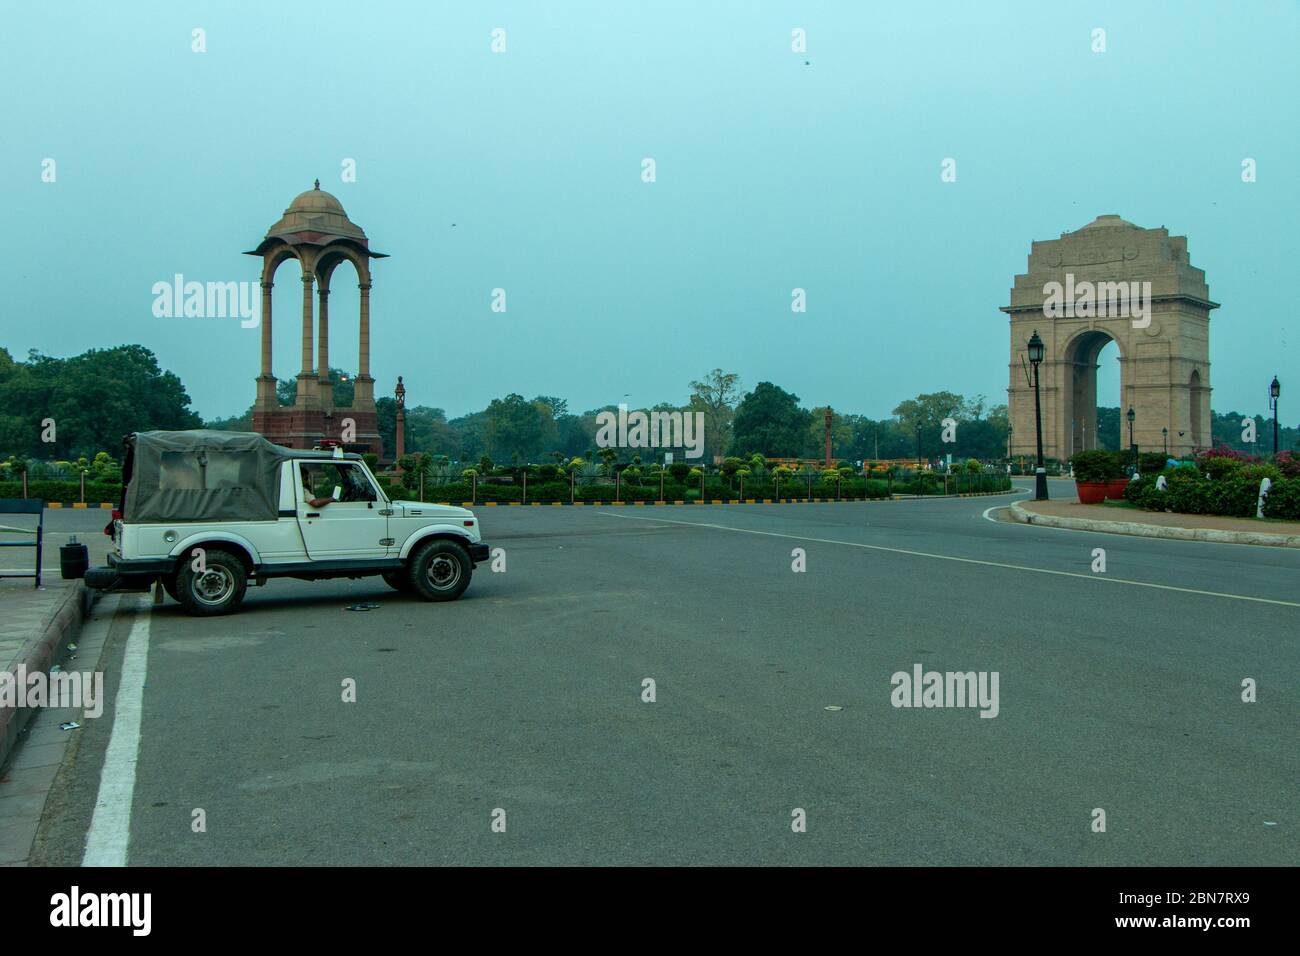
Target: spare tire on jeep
x=440, y=570
x=217, y=589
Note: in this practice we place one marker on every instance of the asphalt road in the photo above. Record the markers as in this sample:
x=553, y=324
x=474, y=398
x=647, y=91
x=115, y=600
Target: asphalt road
x=1120, y=691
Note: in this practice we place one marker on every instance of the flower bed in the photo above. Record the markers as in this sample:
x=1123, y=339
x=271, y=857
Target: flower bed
x=1222, y=482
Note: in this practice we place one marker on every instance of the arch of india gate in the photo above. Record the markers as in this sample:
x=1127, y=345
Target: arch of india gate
x=1111, y=281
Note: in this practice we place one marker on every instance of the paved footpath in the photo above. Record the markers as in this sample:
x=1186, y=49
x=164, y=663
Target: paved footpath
x=39, y=629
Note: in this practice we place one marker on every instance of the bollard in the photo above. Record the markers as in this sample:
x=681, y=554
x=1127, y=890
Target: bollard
x=1264, y=485
x=74, y=559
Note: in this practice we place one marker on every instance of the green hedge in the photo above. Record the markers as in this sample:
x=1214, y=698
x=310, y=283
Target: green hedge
x=648, y=490
x=54, y=489
x=1283, y=500
x=715, y=488
x=1235, y=495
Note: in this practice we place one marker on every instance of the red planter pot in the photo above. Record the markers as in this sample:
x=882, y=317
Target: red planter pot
x=1115, y=488
x=1092, y=492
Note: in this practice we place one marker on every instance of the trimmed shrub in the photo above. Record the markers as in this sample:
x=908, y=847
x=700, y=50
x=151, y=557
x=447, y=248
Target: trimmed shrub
x=1142, y=493
x=1187, y=493
x=1235, y=497
x=1221, y=460
x=1283, y=500
x=1097, y=465
x=1219, y=466
x=1152, y=462
x=1258, y=472
x=1288, y=464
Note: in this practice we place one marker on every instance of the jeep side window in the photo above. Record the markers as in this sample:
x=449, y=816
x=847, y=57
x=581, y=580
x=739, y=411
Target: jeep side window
x=355, y=485
x=320, y=480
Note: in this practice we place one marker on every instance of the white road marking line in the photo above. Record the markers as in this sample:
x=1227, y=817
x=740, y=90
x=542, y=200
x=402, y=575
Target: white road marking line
x=950, y=557
x=110, y=827
x=998, y=508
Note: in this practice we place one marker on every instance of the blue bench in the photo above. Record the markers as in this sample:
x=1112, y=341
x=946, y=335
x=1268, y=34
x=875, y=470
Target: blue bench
x=25, y=506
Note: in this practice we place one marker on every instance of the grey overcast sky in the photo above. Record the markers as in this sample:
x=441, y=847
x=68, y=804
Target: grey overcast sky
x=775, y=170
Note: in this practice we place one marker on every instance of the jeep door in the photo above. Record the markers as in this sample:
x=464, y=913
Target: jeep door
x=351, y=526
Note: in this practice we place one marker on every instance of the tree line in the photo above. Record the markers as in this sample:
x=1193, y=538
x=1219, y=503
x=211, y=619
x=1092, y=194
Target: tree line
x=95, y=398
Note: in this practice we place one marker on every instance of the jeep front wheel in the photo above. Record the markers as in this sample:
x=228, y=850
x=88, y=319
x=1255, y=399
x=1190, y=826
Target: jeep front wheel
x=217, y=589
x=440, y=571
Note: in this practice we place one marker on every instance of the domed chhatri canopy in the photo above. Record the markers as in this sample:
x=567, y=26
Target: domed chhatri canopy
x=317, y=218
x=317, y=234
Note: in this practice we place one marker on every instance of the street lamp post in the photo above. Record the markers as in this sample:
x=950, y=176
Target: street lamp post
x=1132, y=448
x=1036, y=353
x=1164, y=434
x=1274, y=390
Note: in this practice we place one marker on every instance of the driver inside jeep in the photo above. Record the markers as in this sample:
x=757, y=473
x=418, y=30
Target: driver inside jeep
x=307, y=492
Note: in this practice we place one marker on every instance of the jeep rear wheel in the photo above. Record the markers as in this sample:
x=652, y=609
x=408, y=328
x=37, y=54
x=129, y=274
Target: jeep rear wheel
x=217, y=589
x=440, y=571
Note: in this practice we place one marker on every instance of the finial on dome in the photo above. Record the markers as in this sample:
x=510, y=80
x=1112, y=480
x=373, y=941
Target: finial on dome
x=318, y=184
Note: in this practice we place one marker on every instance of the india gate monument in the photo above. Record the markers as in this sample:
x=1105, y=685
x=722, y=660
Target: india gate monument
x=1111, y=281
x=316, y=233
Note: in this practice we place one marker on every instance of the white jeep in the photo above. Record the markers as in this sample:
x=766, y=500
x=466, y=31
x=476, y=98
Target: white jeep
x=206, y=512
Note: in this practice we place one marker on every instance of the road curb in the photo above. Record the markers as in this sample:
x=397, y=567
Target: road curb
x=1213, y=535
x=57, y=628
